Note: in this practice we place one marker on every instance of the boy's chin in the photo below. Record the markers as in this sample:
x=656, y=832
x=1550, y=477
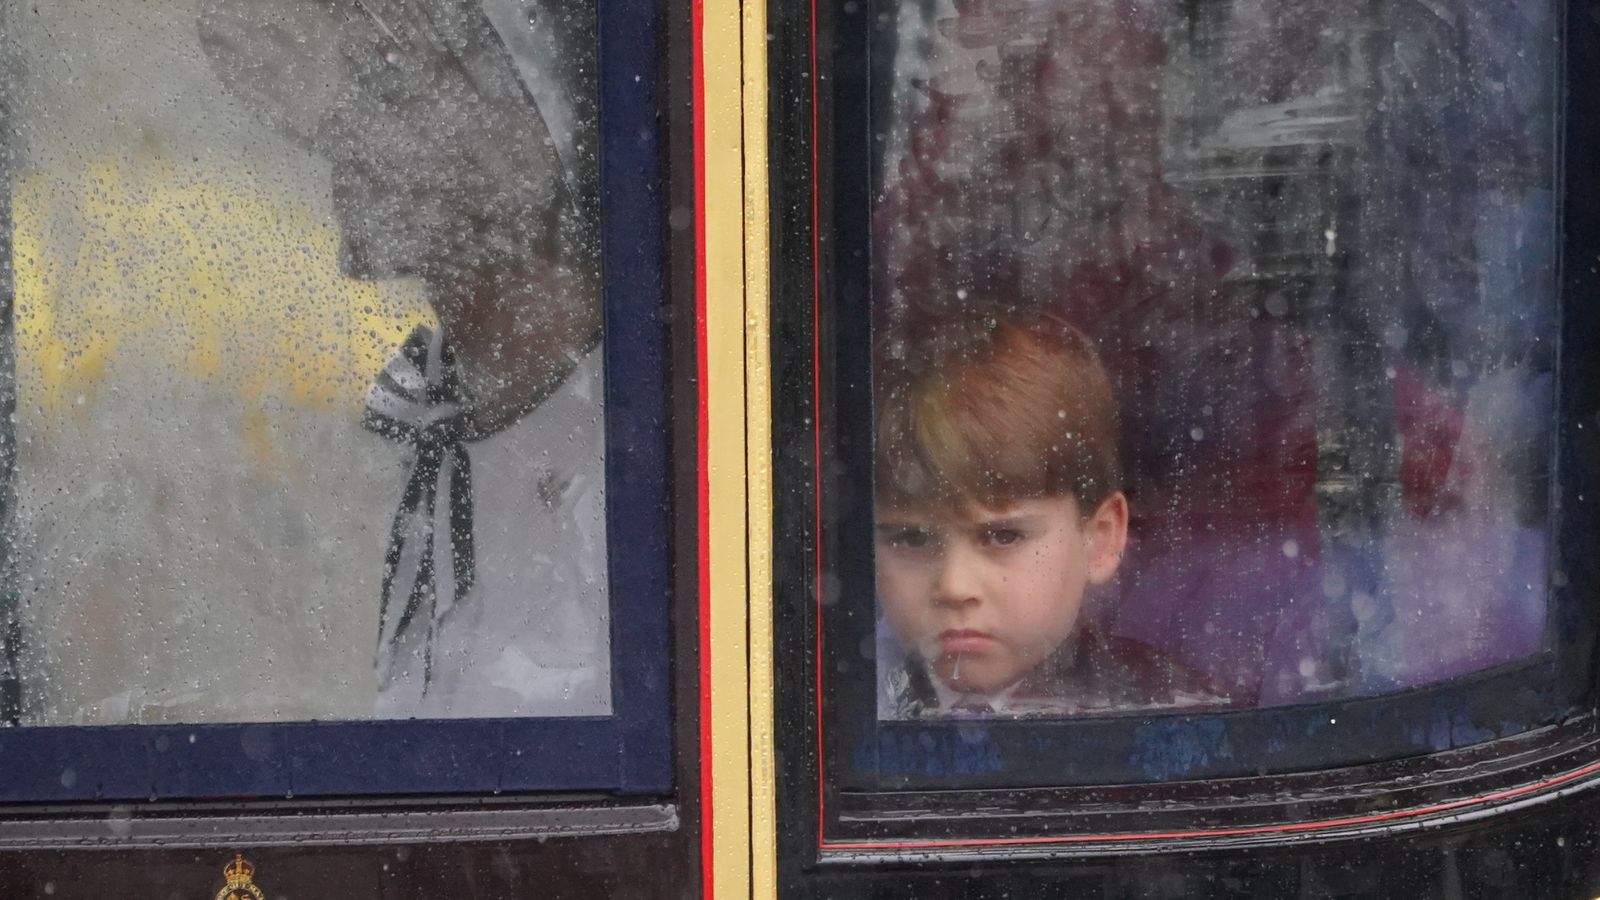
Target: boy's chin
x=968, y=676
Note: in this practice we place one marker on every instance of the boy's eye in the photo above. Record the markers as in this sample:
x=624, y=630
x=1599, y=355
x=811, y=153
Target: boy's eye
x=1003, y=537
x=908, y=538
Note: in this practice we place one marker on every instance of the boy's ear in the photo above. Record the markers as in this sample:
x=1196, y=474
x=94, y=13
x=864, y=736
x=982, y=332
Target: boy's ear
x=1107, y=533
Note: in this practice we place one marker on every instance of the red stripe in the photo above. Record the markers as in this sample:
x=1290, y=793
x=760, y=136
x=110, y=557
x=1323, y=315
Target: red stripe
x=1290, y=828
x=702, y=449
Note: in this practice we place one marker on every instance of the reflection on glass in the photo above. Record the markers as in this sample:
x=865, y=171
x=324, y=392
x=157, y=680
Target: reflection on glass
x=1309, y=250
x=307, y=302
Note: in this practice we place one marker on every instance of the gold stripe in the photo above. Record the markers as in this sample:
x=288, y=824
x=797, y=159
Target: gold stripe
x=758, y=455
x=725, y=458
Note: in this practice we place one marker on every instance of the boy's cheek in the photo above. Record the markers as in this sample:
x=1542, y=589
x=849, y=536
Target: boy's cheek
x=903, y=620
x=901, y=588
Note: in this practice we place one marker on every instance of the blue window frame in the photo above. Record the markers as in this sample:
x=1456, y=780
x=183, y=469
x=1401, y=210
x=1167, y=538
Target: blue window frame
x=627, y=752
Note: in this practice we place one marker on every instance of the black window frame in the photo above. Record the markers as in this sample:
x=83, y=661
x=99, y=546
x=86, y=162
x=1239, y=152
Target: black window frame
x=610, y=759
x=1544, y=735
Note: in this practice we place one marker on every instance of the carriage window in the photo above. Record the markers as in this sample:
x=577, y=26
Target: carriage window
x=1212, y=428
x=1214, y=352
x=311, y=413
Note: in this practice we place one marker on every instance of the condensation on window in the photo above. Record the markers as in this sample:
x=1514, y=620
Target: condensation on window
x=1215, y=349
x=307, y=369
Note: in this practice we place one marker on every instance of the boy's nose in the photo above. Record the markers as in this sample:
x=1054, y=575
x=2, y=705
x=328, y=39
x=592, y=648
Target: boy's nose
x=957, y=583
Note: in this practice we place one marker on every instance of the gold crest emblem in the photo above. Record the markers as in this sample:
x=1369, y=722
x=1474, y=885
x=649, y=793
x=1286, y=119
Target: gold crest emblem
x=240, y=883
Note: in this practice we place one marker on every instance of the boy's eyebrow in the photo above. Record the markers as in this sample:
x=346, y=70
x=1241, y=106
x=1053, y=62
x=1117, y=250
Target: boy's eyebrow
x=1000, y=522
x=893, y=524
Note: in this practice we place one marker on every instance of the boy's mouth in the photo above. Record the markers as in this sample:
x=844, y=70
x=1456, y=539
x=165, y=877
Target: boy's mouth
x=964, y=640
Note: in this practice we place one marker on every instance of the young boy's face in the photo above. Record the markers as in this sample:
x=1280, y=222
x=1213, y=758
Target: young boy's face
x=984, y=594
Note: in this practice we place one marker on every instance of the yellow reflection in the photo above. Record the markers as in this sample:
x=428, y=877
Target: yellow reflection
x=206, y=277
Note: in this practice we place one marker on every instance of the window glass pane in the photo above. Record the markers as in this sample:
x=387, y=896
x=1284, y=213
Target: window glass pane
x=308, y=361
x=1215, y=349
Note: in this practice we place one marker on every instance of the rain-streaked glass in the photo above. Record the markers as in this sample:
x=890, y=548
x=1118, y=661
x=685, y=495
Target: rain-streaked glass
x=1310, y=251
x=307, y=326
